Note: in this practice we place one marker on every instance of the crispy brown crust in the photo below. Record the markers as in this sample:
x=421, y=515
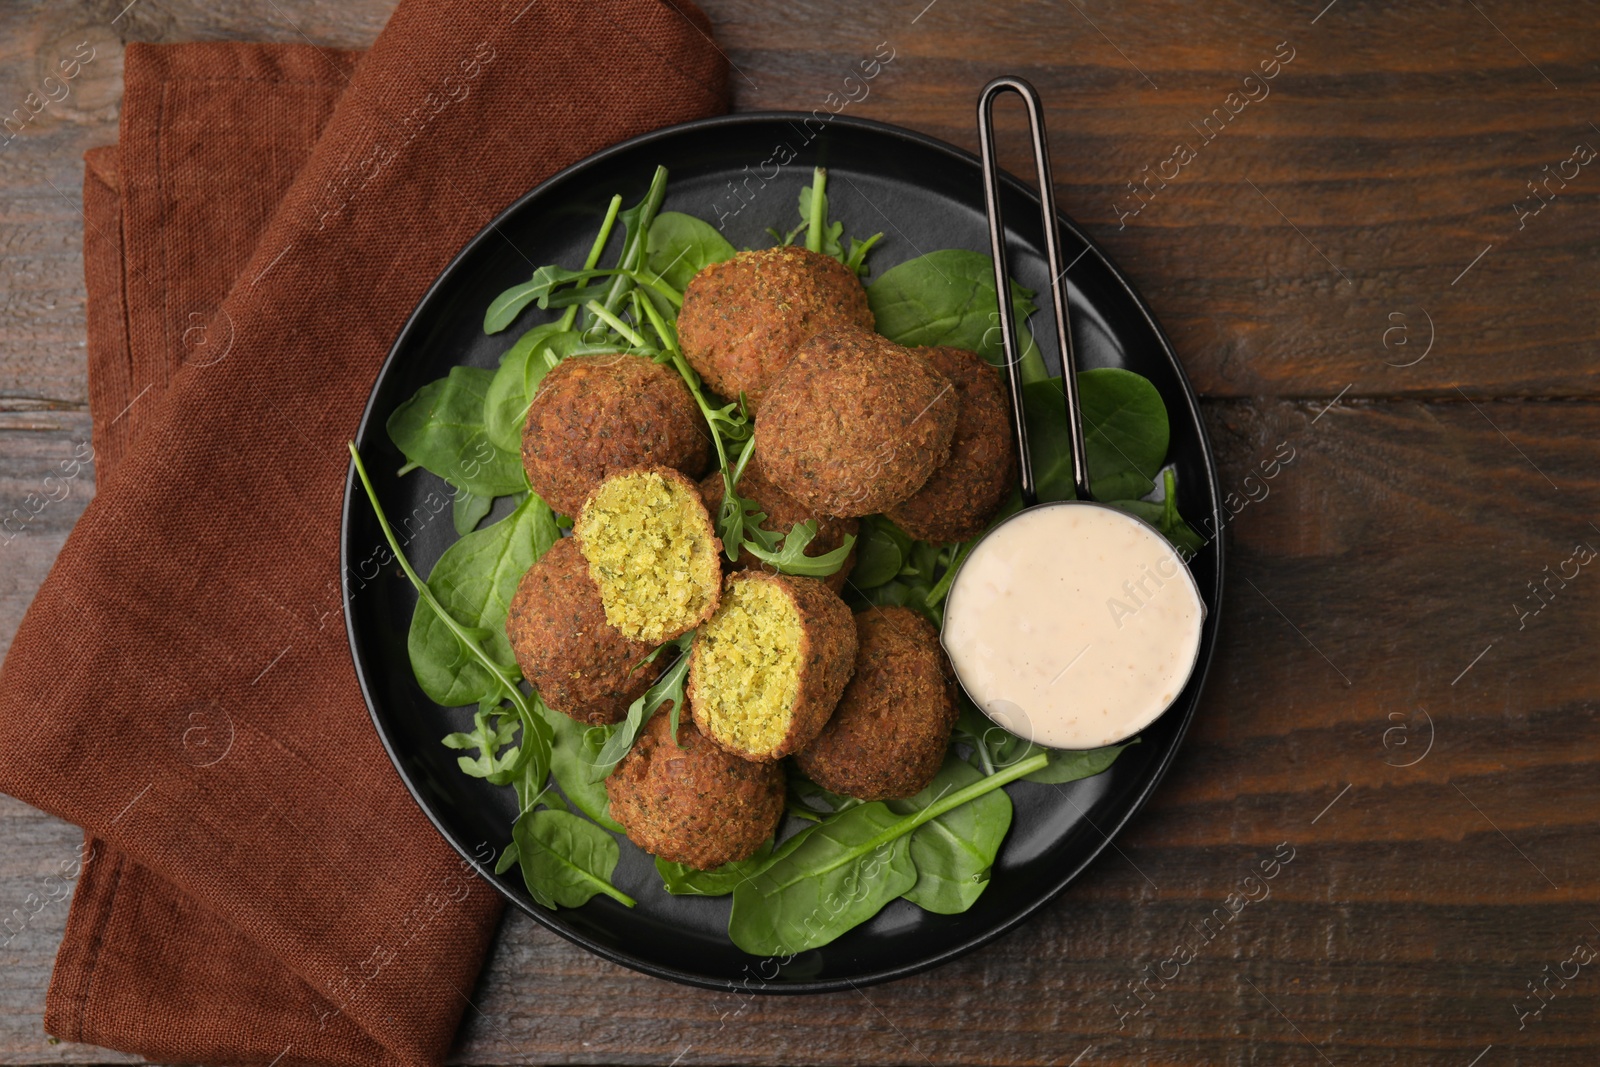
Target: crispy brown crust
x=695, y=805
x=855, y=424
x=827, y=659
x=580, y=664
x=889, y=734
x=783, y=512
x=596, y=415
x=959, y=498
x=744, y=317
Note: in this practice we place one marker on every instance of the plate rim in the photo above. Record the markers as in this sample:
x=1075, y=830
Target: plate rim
x=551, y=920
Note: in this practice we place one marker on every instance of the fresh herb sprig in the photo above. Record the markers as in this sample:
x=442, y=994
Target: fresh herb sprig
x=564, y=859
x=820, y=234
x=792, y=558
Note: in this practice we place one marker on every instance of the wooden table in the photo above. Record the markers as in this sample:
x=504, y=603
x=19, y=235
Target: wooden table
x=1356, y=264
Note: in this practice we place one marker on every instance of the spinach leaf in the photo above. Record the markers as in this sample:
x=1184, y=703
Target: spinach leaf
x=1066, y=766
x=667, y=689
x=682, y=881
x=792, y=558
x=441, y=429
x=954, y=853
x=996, y=748
x=1174, y=529
x=837, y=874
x=948, y=298
x=681, y=246
x=880, y=553
x=1163, y=515
x=474, y=581
x=574, y=751
x=469, y=509
x=810, y=800
x=510, y=391
x=825, y=880
x=1125, y=430
x=565, y=860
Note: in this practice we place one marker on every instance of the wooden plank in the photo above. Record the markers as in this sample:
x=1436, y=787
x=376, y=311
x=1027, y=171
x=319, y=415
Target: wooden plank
x=1406, y=927
x=1381, y=575
x=1394, y=144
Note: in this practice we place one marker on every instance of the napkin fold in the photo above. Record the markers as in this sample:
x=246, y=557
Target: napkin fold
x=256, y=884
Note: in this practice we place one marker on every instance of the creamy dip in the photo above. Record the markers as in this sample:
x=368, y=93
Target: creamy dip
x=1073, y=625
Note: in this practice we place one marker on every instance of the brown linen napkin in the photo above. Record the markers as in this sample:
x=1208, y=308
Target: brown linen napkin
x=258, y=885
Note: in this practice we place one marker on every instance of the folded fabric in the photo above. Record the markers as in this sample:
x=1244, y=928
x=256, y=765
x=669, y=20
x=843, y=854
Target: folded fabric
x=257, y=884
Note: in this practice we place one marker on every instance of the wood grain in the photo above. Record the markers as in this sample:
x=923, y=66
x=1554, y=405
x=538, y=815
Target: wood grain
x=1378, y=594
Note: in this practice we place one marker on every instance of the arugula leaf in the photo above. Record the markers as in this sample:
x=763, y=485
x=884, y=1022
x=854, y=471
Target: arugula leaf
x=948, y=298
x=636, y=222
x=565, y=860
x=837, y=874
x=441, y=429
x=954, y=853
x=821, y=235
x=681, y=246
x=575, y=748
x=792, y=558
x=667, y=688
x=683, y=881
x=535, y=744
x=492, y=729
x=474, y=581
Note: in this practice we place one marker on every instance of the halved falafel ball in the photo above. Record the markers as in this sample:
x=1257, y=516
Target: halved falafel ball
x=888, y=736
x=743, y=318
x=958, y=499
x=696, y=805
x=596, y=415
x=783, y=513
x=855, y=424
x=768, y=667
x=652, y=553
x=581, y=665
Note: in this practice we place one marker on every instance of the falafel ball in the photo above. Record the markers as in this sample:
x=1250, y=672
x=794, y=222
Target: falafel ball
x=696, y=805
x=783, y=513
x=581, y=665
x=595, y=415
x=960, y=498
x=888, y=736
x=855, y=424
x=769, y=666
x=743, y=318
x=652, y=553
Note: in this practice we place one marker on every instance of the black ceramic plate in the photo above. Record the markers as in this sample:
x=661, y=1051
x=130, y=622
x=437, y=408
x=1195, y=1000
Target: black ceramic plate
x=925, y=195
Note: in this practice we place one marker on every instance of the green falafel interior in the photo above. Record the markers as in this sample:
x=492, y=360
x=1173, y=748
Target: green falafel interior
x=654, y=556
x=748, y=673
x=651, y=552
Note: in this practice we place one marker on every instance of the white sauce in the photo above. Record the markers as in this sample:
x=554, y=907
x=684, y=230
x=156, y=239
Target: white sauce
x=1073, y=626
